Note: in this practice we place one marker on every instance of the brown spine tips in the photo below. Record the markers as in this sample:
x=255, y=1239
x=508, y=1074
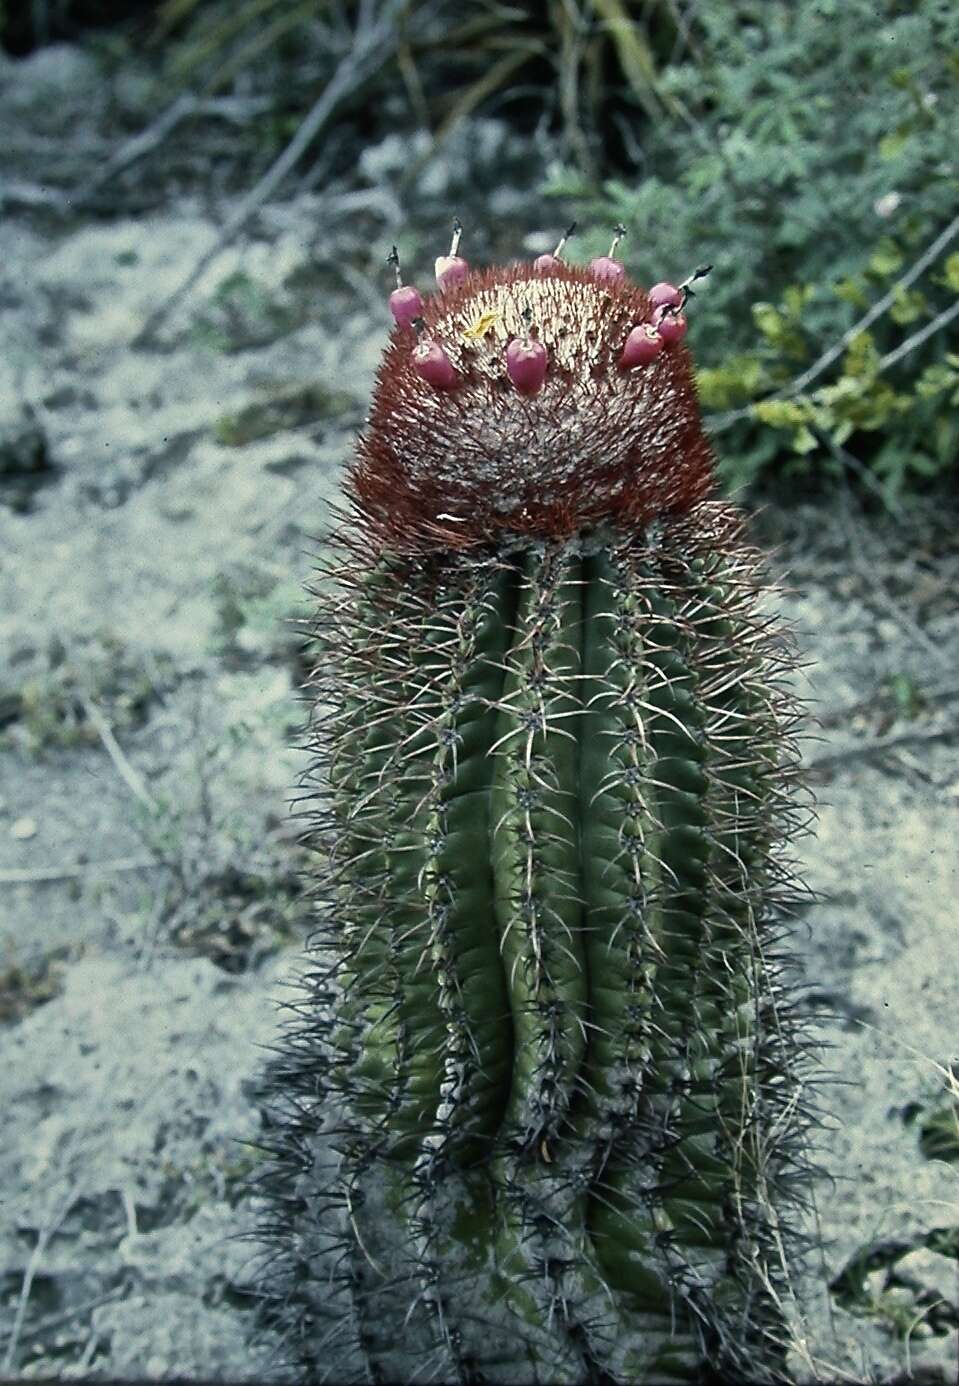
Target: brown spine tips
x=546, y=430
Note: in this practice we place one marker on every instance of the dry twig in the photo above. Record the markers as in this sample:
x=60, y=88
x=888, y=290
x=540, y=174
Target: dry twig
x=146, y=141
x=918, y=337
x=875, y=589
x=371, y=43
x=130, y=777
x=44, y=1235
x=879, y=745
x=31, y=195
x=69, y=873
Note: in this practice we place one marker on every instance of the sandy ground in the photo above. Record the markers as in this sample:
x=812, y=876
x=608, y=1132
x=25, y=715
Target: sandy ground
x=148, y=913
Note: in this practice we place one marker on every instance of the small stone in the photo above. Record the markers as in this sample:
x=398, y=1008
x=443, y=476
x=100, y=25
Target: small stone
x=23, y=829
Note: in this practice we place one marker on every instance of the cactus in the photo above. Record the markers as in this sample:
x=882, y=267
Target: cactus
x=539, y=1116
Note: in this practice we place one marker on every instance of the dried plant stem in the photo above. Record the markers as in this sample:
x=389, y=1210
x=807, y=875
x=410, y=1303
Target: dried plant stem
x=69, y=873
x=372, y=42
x=880, y=744
x=131, y=778
x=44, y=1235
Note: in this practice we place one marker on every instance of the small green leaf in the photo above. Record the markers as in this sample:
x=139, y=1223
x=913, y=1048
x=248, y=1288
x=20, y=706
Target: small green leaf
x=935, y=379
x=862, y=359
x=951, y=268
x=944, y=436
x=907, y=306
x=851, y=291
x=804, y=441
x=891, y=145
x=781, y=413
x=886, y=260
x=769, y=321
x=906, y=694
x=795, y=298
x=939, y=1134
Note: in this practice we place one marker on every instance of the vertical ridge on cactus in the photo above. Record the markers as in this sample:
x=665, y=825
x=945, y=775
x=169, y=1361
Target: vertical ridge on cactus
x=542, y=1116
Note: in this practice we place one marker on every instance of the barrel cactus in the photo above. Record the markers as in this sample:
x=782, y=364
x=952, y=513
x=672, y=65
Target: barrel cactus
x=539, y=1115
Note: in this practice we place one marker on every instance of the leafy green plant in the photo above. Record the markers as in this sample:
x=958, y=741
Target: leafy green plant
x=880, y=1281
x=813, y=209
x=259, y=615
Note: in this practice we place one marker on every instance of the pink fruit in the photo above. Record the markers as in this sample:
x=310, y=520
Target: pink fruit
x=547, y=264
x=606, y=269
x=526, y=363
x=665, y=293
x=431, y=362
x=672, y=327
x=450, y=270
x=642, y=344
x=406, y=304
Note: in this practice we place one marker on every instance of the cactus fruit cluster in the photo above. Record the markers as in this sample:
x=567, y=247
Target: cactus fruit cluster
x=539, y=1116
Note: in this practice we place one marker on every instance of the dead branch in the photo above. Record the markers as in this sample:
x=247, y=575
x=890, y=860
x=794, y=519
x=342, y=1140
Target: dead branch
x=31, y=195
x=125, y=770
x=69, y=873
x=876, y=591
x=44, y=1235
x=50, y=1321
x=140, y=145
x=880, y=745
x=825, y=440
x=917, y=338
x=371, y=44
x=938, y=697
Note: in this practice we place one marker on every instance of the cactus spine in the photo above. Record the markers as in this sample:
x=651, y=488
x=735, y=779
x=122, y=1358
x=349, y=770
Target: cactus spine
x=539, y=1119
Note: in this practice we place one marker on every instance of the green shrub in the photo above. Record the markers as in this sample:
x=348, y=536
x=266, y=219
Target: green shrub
x=813, y=162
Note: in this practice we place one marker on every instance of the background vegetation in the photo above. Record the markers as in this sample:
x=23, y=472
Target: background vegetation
x=807, y=151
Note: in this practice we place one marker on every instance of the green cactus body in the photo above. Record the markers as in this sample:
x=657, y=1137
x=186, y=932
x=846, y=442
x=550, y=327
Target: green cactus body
x=540, y=1120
